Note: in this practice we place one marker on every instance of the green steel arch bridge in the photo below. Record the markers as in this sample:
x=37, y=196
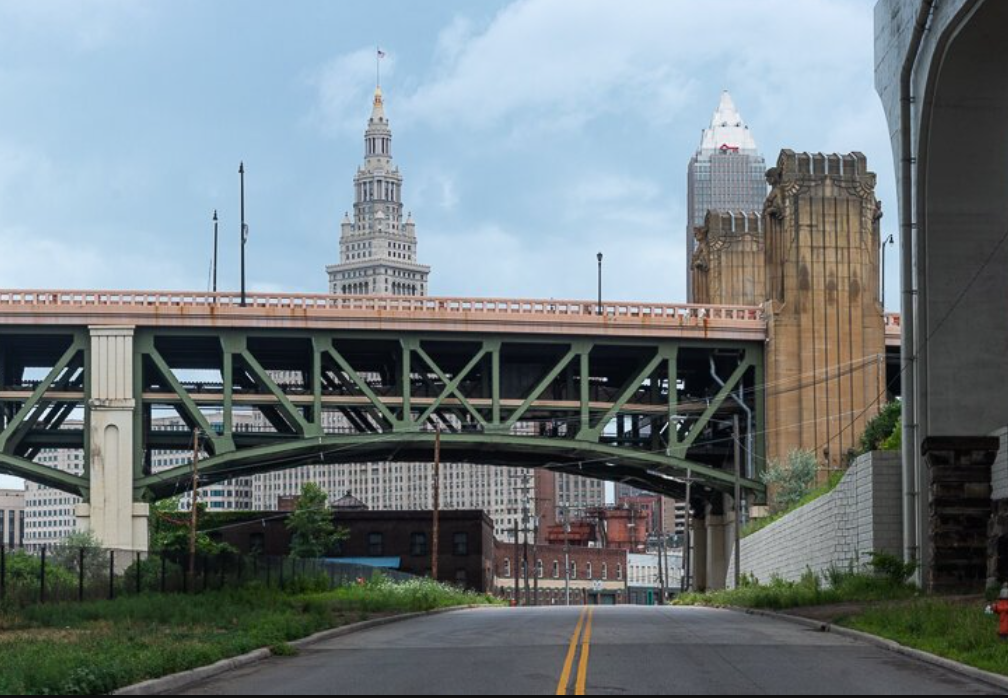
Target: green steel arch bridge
x=626, y=392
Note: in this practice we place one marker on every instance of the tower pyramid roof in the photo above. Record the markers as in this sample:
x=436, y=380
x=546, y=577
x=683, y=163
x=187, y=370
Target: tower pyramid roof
x=727, y=130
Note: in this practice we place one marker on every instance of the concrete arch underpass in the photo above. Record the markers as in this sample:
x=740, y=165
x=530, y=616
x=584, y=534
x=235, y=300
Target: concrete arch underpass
x=941, y=73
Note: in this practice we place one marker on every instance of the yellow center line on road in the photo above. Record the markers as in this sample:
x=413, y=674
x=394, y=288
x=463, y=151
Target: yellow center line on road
x=582, y=675
x=569, y=661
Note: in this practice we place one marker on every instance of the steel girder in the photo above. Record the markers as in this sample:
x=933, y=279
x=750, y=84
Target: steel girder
x=639, y=411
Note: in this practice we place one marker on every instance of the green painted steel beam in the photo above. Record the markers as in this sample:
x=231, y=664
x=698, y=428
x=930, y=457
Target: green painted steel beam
x=716, y=402
x=451, y=386
x=541, y=386
x=362, y=385
x=494, y=449
x=42, y=475
x=628, y=389
x=38, y=395
x=188, y=407
x=290, y=413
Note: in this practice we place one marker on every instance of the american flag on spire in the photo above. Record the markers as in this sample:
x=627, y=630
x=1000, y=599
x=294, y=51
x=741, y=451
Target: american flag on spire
x=381, y=54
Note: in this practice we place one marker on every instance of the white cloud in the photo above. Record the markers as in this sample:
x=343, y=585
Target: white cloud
x=574, y=61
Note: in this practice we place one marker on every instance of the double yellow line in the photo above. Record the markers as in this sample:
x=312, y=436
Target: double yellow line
x=582, y=671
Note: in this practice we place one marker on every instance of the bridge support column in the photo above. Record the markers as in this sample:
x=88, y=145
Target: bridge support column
x=717, y=549
x=110, y=512
x=698, y=556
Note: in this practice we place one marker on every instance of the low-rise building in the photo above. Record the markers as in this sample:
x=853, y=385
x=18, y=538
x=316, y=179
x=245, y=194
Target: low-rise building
x=595, y=575
x=12, y=514
x=645, y=578
x=400, y=540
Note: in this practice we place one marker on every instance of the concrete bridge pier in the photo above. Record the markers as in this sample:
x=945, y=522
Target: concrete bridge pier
x=110, y=510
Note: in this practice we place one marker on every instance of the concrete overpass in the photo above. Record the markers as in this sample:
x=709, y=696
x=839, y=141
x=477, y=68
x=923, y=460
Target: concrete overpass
x=941, y=72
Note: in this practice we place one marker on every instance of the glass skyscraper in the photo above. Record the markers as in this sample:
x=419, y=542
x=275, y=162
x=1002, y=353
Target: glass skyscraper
x=726, y=173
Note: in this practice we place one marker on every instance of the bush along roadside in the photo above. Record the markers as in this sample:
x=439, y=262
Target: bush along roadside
x=98, y=646
x=885, y=578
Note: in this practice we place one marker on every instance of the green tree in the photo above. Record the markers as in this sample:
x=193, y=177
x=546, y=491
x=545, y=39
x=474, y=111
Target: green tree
x=169, y=531
x=789, y=482
x=312, y=531
x=880, y=427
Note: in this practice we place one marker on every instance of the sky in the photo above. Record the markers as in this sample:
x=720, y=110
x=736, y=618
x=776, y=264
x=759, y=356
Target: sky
x=530, y=134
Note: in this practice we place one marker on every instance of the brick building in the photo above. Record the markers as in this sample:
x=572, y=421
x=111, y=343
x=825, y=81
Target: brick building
x=397, y=539
x=597, y=575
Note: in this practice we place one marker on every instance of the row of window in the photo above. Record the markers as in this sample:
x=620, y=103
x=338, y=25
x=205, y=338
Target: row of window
x=418, y=543
x=556, y=569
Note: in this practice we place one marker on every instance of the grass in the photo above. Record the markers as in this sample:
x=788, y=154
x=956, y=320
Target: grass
x=840, y=587
x=96, y=647
x=813, y=494
x=955, y=629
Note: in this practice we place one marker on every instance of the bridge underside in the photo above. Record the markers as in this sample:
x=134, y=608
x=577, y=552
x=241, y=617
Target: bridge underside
x=648, y=412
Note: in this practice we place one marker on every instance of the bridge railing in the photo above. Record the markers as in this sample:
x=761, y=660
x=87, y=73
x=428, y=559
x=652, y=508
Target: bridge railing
x=678, y=312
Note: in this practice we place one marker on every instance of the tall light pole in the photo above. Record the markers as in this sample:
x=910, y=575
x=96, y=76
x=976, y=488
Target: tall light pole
x=244, y=230
x=888, y=241
x=599, y=258
x=215, y=251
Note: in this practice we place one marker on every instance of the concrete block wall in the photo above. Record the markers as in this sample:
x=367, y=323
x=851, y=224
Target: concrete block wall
x=863, y=514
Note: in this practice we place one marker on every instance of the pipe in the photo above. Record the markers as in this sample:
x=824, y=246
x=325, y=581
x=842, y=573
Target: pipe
x=749, y=418
x=911, y=471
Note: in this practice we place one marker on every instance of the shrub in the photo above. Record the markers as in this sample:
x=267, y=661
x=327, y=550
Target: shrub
x=790, y=483
x=891, y=567
x=880, y=428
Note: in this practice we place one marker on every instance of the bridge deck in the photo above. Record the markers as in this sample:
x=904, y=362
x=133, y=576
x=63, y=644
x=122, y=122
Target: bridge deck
x=442, y=314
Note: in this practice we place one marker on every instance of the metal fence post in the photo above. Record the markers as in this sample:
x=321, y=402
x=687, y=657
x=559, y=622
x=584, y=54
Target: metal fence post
x=3, y=571
x=80, y=575
x=222, y=561
x=42, y=577
x=111, y=575
x=269, y=565
x=138, y=572
x=162, y=572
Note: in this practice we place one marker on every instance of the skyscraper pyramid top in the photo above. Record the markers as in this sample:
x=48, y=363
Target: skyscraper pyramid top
x=727, y=130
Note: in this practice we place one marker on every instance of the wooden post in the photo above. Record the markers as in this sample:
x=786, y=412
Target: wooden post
x=437, y=500
x=192, y=511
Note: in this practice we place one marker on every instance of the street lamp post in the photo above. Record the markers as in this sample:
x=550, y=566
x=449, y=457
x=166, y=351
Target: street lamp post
x=599, y=258
x=244, y=230
x=215, y=251
x=888, y=241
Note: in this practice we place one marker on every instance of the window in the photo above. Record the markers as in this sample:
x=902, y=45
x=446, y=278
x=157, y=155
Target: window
x=619, y=570
x=588, y=570
x=460, y=577
x=539, y=569
x=573, y=571
x=605, y=571
x=418, y=543
x=460, y=543
x=507, y=567
x=556, y=569
x=375, y=546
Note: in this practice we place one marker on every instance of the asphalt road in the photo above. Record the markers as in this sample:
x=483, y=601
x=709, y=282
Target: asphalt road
x=621, y=649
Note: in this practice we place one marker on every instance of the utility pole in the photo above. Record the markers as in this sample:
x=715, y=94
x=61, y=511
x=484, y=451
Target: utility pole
x=437, y=500
x=244, y=230
x=215, y=251
x=525, y=531
x=662, y=568
x=688, y=536
x=535, y=560
x=193, y=512
x=517, y=574
x=737, y=502
x=567, y=553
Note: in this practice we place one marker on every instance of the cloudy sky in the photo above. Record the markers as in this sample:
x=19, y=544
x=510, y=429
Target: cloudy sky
x=531, y=134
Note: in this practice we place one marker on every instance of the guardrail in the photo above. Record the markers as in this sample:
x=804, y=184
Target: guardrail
x=71, y=299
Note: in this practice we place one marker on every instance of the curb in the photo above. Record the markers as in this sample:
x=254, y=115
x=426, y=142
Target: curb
x=988, y=677
x=173, y=683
